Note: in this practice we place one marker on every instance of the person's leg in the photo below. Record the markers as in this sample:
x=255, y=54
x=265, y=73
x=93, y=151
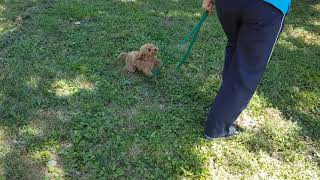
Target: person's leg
x=229, y=17
x=230, y=21
x=260, y=28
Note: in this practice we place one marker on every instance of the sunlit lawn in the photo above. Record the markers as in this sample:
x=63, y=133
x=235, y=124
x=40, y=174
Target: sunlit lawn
x=67, y=108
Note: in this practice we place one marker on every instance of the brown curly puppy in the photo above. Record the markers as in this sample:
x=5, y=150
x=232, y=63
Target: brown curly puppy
x=143, y=60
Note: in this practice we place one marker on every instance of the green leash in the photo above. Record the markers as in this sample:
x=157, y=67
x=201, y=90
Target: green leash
x=186, y=44
x=190, y=39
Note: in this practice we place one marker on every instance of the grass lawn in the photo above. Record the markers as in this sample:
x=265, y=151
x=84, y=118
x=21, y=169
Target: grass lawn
x=68, y=110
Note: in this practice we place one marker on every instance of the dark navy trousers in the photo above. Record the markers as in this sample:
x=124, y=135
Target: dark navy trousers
x=252, y=28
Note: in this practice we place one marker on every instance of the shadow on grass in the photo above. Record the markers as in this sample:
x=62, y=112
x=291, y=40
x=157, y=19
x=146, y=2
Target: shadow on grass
x=291, y=85
x=66, y=103
x=115, y=128
x=293, y=73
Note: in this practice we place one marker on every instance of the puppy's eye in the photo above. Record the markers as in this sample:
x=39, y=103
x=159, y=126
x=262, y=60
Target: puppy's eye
x=149, y=49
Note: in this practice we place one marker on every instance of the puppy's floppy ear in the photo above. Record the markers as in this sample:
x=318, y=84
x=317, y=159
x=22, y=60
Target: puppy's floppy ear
x=141, y=55
x=143, y=52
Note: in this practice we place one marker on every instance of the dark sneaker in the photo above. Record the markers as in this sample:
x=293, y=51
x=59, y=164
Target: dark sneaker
x=232, y=131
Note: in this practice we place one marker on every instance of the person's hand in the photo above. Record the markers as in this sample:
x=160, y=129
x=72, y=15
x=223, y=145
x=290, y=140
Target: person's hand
x=208, y=5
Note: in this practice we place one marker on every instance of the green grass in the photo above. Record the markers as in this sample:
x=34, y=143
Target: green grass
x=68, y=110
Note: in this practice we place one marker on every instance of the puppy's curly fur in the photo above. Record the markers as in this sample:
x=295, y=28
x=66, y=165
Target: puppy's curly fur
x=143, y=60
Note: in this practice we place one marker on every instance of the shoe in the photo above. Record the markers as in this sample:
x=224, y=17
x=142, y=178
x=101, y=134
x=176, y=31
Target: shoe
x=232, y=132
